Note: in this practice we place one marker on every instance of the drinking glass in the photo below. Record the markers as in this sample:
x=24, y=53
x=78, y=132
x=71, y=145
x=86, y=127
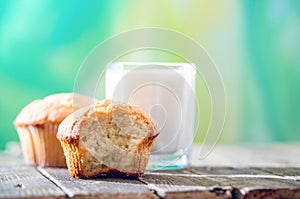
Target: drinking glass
x=166, y=91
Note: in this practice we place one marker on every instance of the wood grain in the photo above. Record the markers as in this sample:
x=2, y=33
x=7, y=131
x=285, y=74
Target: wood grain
x=228, y=172
x=260, y=186
x=293, y=172
x=102, y=187
x=249, y=155
x=184, y=185
x=22, y=182
x=211, y=171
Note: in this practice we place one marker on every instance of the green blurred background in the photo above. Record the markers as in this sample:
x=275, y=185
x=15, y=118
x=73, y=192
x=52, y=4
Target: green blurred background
x=255, y=44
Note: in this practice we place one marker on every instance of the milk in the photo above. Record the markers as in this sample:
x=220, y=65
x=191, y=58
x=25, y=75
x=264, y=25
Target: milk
x=166, y=91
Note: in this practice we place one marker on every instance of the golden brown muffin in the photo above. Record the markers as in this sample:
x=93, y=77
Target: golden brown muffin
x=107, y=138
x=37, y=126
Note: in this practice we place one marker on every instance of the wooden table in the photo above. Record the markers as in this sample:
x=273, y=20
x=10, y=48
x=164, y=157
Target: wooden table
x=261, y=171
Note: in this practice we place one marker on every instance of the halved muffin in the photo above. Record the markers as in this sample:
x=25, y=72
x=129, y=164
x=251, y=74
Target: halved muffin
x=107, y=138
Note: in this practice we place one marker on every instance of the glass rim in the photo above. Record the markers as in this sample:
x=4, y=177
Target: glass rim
x=149, y=65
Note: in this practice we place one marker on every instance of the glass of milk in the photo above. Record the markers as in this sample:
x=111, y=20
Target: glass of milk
x=166, y=91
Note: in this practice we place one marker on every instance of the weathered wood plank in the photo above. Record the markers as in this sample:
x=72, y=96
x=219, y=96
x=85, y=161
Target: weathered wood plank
x=270, y=193
x=26, y=182
x=244, y=182
x=284, y=171
x=259, y=186
x=219, y=171
x=178, y=171
x=179, y=185
x=254, y=155
x=7, y=160
x=229, y=171
x=254, y=182
x=101, y=187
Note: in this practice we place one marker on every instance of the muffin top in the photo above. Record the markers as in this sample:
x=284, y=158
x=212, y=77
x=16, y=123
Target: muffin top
x=108, y=113
x=52, y=109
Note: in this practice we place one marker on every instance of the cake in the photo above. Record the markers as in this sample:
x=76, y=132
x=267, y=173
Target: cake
x=37, y=126
x=107, y=139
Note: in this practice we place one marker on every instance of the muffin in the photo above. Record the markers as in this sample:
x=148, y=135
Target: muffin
x=107, y=138
x=37, y=126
